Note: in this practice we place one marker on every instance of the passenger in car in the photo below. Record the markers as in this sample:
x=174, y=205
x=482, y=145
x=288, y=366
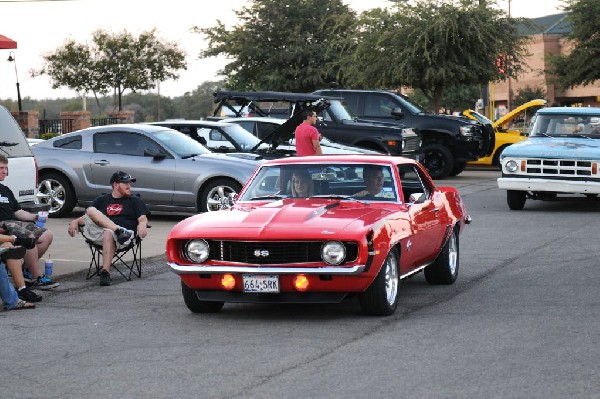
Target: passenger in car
x=302, y=184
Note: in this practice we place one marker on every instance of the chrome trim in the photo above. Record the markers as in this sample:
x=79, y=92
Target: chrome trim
x=415, y=271
x=210, y=269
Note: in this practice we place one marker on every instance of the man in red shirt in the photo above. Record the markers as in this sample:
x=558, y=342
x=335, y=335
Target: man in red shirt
x=307, y=136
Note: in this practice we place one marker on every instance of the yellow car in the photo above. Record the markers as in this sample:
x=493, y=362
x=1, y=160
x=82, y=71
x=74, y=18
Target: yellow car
x=509, y=129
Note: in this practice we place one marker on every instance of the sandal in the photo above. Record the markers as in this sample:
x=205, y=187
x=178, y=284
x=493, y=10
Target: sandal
x=21, y=304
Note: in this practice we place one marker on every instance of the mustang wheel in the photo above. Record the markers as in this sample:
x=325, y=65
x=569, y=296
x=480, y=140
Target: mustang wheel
x=197, y=306
x=381, y=298
x=438, y=161
x=444, y=269
x=55, y=190
x=516, y=199
x=215, y=196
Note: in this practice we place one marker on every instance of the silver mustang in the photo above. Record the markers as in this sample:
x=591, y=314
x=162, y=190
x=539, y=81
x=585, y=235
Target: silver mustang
x=173, y=172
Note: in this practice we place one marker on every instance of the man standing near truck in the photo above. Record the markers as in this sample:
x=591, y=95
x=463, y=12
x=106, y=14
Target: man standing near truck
x=307, y=136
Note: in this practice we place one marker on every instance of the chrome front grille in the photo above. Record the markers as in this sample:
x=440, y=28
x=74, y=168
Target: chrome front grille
x=273, y=252
x=558, y=167
x=412, y=144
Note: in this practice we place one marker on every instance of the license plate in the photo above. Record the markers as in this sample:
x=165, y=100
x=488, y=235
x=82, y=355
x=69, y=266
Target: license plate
x=261, y=283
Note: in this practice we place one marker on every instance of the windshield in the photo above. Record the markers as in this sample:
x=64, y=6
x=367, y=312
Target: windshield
x=365, y=182
x=564, y=125
x=339, y=110
x=181, y=144
x=243, y=138
x=12, y=139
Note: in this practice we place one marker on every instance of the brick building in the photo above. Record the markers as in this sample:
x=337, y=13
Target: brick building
x=547, y=36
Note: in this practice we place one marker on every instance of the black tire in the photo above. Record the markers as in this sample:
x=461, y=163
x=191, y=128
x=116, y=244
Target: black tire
x=444, y=270
x=438, y=161
x=516, y=199
x=56, y=190
x=496, y=157
x=458, y=168
x=214, y=196
x=381, y=298
x=197, y=306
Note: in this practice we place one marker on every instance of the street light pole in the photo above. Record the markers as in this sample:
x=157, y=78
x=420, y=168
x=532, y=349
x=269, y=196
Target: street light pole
x=12, y=58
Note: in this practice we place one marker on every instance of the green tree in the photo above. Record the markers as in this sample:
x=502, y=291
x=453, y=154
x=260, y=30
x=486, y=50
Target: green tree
x=432, y=45
x=114, y=61
x=528, y=93
x=582, y=65
x=286, y=45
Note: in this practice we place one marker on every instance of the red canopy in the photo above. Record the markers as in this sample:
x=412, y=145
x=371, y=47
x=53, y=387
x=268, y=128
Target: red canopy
x=6, y=43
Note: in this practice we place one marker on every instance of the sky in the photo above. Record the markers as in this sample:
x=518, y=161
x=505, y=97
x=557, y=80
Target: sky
x=41, y=27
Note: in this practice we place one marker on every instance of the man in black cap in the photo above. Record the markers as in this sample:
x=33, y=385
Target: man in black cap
x=112, y=219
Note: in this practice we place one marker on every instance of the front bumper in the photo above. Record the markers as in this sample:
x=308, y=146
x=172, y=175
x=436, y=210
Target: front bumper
x=548, y=185
x=212, y=269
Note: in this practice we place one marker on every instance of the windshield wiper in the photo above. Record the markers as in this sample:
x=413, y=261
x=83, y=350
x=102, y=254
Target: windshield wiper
x=272, y=196
x=581, y=136
x=7, y=144
x=189, y=156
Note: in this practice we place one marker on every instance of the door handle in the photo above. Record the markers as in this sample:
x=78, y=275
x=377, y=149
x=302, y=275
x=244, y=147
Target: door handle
x=101, y=162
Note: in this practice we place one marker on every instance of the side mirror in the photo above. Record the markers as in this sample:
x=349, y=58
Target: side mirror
x=202, y=140
x=397, y=112
x=417, y=198
x=150, y=152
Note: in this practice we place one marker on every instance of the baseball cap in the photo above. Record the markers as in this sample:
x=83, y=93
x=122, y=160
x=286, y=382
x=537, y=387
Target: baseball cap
x=121, y=177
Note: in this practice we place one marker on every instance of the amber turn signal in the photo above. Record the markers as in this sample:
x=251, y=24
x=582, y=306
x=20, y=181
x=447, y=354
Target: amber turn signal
x=228, y=282
x=301, y=282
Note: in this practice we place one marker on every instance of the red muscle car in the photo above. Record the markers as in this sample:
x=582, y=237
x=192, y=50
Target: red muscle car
x=318, y=229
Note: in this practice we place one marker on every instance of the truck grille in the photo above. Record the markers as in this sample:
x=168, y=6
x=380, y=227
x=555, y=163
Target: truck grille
x=412, y=145
x=558, y=167
x=274, y=252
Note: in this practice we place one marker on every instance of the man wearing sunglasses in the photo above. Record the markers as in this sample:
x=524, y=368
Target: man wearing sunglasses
x=113, y=220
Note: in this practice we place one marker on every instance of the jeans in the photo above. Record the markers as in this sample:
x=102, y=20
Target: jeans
x=8, y=294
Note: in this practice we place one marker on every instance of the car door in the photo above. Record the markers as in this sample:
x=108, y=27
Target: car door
x=121, y=150
x=426, y=215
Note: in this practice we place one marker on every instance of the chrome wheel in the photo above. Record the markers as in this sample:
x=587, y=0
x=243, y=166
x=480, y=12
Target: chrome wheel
x=216, y=195
x=391, y=279
x=55, y=191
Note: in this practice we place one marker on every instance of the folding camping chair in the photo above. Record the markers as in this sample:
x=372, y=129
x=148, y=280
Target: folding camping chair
x=127, y=260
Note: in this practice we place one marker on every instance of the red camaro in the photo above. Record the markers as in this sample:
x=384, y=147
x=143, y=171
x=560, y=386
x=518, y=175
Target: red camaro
x=318, y=229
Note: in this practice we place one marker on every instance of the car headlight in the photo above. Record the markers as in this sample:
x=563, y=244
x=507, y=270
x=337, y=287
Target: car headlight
x=511, y=166
x=467, y=131
x=333, y=252
x=196, y=250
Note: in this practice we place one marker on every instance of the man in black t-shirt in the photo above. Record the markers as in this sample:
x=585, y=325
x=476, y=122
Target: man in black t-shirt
x=112, y=219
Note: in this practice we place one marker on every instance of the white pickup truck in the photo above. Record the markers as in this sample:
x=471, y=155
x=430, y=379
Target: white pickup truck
x=22, y=175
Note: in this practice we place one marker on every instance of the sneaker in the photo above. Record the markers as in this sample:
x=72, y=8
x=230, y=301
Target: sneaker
x=27, y=276
x=27, y=295
x=104, y=278
x=44, y=283
x=12, y=252
x=123, y=235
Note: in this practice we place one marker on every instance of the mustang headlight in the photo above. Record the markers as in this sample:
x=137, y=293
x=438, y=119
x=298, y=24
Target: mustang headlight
x=196, y=250
x=333, y=252
x=511, y=166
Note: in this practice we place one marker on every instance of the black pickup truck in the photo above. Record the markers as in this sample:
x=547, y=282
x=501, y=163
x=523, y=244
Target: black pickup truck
x=335, y=122
x=449, y=142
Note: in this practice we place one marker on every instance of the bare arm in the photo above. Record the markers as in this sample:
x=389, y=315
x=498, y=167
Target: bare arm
x=142, y=227
x=25, y=216
x=317, y=146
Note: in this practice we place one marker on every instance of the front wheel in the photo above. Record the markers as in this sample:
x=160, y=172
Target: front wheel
x=215, y=196
x=197, y=306
x=516, y=199
x=55, y=190
x=444, y=270
x=458, y=168
x=438, y=161
x=381, y=298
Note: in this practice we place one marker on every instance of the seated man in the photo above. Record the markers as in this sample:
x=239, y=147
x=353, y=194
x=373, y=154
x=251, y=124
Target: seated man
x=112, y=219
x=9, y=296
x=19, y=222
x=373, y=178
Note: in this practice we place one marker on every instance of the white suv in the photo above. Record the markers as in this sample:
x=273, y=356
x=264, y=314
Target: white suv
x=22, y=175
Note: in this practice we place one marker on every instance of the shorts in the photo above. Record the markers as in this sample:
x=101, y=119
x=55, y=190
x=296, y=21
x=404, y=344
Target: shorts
x=23, y=229
x=95, y=233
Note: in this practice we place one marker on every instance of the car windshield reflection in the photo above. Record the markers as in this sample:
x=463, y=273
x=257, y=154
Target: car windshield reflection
x=180, y=144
